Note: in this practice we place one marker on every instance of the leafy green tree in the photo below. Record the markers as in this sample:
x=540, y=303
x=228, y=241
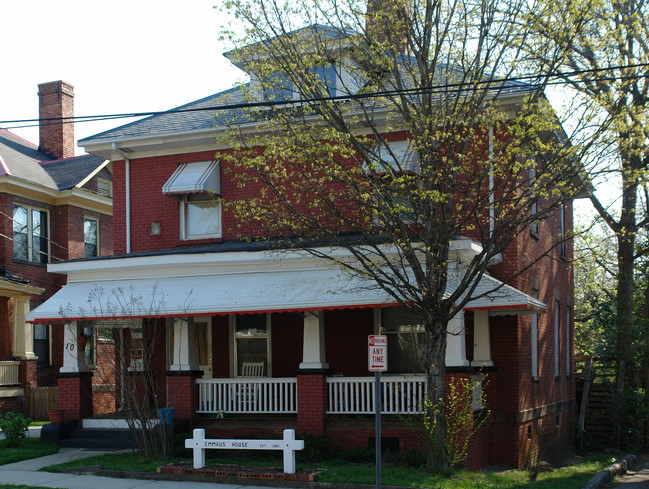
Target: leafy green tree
x=605, y=56
x=482, y=162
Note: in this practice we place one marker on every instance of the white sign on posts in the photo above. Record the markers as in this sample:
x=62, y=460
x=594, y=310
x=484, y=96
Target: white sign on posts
x=288, y=444
x=377, y=353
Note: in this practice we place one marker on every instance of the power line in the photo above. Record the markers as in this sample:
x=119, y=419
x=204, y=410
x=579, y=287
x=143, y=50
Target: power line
x=562, y=79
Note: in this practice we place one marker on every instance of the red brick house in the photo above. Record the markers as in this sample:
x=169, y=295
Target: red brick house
x=255, y=342
x=54, y=207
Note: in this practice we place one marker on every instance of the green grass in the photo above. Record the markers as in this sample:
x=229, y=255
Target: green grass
x=11, y=486
x=38, y=422
x=29, y=448
x=573, y=477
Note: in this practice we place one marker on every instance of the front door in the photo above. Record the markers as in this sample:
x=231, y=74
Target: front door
x=203, y=345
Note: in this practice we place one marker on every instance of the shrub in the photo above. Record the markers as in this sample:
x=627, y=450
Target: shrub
x=359, y=455
x=316, y=448
x=14, y=427
x=411, y=458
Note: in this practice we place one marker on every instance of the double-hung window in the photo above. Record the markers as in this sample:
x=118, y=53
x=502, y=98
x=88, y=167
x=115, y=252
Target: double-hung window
x=90, y=237
x=30, y=234
x=252, y=344
x=406, y=337
x=200, y=216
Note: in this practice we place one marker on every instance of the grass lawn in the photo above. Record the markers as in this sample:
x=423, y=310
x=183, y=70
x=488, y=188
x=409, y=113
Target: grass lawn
x=11, y=486
x=573, y=477
x=29, y=448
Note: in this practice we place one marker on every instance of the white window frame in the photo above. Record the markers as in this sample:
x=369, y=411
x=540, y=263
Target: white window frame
x=557, y=326
x=378, y=321
x=184, y=234
x=534, y=210
x=90, y=218
x=104, y=187
x=534, y=333
x=568, y=362
x=562, y=224
x=30, y=232
x=234, y=371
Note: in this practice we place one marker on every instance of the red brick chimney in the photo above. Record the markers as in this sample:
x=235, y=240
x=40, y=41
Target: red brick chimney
x=384, y=20
x=56, y=102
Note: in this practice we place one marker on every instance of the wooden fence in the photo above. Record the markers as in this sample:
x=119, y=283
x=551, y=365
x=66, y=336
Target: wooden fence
x=40, y=399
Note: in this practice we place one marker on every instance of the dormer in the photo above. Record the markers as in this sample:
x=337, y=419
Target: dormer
x=325, y=56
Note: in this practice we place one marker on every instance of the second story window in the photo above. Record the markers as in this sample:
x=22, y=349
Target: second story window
x=30, y=234
x=198, y=188
x=200, y=216
x=90, y=237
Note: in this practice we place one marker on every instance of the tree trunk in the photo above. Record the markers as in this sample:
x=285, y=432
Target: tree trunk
x=435, y=411
x=645, y=309
x=624, y=310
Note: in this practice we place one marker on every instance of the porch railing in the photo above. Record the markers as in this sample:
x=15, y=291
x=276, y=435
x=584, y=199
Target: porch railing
x=9, y=373
x=355, y=395
x=242, y=395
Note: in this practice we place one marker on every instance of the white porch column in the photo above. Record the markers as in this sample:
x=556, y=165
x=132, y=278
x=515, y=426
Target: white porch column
x=184, y=358
x=455, y=344
x=313, y=349
x=73, y=359
x=23, y=332
x=481, y=340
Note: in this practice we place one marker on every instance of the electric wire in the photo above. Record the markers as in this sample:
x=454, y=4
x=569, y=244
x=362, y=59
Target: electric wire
x=459, y=87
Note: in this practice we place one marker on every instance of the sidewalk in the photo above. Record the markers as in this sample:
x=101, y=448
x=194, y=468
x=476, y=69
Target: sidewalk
x=26, y=472
x=636, y=479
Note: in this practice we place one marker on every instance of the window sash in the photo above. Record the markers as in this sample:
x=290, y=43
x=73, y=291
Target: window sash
x=200, y=217
x=90, y=237
x=251, y=341
x=406, y=340
x=31, y=234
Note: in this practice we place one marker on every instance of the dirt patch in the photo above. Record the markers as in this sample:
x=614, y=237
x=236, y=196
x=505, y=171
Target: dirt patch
x=239, y=472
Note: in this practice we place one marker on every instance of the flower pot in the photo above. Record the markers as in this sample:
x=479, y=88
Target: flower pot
x=55, y=415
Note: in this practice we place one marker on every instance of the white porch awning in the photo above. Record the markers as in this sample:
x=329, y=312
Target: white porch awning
x=248, y=292
x=190, y=178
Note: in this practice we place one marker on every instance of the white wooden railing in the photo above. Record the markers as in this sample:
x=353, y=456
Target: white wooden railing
x=243, y=395
x=355, y=395
x=9, y=373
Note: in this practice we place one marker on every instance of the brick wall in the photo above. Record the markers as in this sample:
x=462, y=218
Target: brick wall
x=75, y=395
x=311, y=403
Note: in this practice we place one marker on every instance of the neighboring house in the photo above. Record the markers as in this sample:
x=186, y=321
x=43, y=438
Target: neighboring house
x=270, y=343
x=53, y=207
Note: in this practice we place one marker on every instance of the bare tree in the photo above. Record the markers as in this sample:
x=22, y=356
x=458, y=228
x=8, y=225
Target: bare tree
x=124, y=353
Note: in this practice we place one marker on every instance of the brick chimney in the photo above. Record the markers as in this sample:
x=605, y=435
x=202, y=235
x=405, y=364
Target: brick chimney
x=384, y=20
x=56, y=102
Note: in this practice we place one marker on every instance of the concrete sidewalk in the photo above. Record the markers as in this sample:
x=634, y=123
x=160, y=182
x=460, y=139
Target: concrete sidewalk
x=637, y=478
x=26, y=472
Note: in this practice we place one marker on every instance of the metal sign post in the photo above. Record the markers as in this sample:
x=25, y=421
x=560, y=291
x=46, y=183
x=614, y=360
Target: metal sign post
x=377, y=362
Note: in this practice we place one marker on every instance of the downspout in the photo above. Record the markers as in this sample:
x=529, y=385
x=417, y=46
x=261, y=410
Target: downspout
x=128, y=196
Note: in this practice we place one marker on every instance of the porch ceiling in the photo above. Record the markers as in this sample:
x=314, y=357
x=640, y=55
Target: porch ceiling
x=235, y=293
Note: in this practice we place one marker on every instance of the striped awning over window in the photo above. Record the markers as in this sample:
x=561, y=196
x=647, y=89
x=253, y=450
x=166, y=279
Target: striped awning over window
x=192, y=178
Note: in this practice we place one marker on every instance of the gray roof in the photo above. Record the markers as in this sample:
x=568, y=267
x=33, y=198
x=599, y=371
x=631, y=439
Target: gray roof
x=69, y=172
x=21, y=159
x=217, y=110
x=193, y=116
